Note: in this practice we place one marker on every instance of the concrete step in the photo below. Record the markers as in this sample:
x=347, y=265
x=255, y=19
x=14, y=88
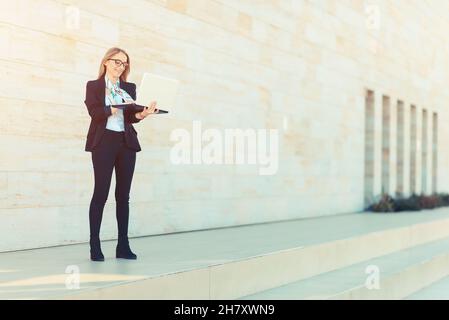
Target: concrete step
x=399, y=275
x=225, y=263
x=438, y=290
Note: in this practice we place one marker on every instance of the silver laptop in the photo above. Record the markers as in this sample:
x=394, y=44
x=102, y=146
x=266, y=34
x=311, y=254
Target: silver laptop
x=157, y=88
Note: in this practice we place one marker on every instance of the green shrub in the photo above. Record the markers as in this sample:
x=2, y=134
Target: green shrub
x=444, y=197
x=412, y=203
x=408, y=204
x=385, y=204
x=429, y=202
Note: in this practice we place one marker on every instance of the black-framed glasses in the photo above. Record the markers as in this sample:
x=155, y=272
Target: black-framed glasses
x=119, y=63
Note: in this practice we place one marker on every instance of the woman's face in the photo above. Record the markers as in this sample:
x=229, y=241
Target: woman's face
x=115, y=66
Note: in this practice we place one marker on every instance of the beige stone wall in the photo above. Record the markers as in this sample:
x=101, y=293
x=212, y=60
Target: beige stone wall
x=298, y=66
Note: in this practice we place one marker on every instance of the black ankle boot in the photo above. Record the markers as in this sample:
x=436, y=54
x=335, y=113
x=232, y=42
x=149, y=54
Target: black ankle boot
x=95, y=250
x=123, y=250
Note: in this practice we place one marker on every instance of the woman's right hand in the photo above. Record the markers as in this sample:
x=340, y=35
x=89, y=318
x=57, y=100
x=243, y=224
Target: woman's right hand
x=114, y=110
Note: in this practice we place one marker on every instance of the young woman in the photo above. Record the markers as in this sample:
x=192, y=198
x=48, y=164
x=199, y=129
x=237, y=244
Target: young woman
x=113, y=142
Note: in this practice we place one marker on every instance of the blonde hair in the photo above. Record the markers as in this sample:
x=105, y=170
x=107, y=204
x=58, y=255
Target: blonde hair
x=110, y=53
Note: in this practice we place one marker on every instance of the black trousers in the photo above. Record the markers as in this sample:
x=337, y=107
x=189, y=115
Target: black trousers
x=110, y=153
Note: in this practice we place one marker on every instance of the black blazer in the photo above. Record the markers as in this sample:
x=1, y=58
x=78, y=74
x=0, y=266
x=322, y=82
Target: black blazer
x=99, y=113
